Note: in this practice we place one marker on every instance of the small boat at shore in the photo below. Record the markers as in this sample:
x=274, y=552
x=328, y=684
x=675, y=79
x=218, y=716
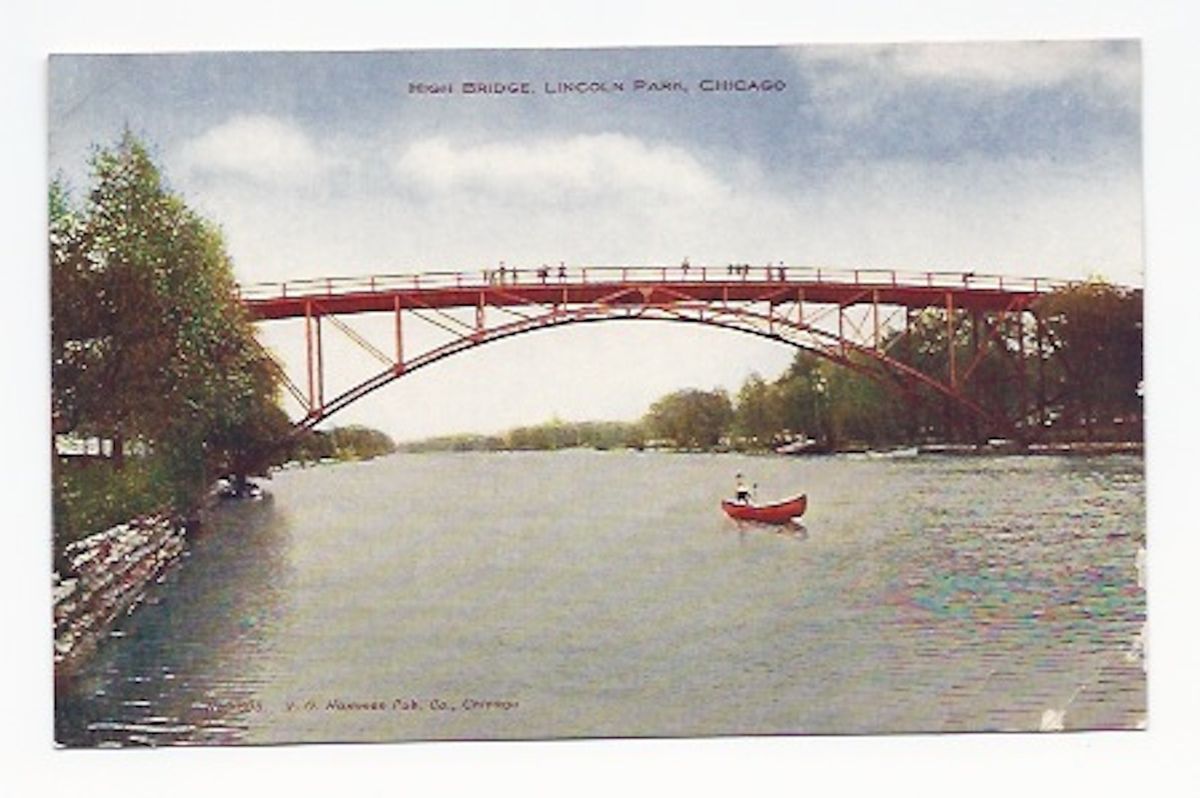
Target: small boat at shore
x=778, y=513
x=802, y=446
x=233, y=490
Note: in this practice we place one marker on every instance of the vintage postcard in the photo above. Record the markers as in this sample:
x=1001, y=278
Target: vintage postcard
x=631, y=392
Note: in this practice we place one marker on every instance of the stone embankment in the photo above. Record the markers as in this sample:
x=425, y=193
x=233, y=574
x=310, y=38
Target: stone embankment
x=107, y=574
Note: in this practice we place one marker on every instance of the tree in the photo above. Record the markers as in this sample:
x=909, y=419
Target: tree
x=758, y=415
x=1095, y=334
x=861, y=409
x=802, y=393
x=256, y=434
x=691, y=418
x=149, y=342
x=76, y=344
x=360, y=443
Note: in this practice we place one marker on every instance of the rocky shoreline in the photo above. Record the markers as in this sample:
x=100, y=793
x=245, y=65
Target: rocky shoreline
x=106, y=575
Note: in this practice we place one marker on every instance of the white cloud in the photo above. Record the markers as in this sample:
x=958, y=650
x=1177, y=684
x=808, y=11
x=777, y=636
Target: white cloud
x=1016, y=63
x=1108, y=72
x=258, y=148
x=1013, y=215
x=577, y=168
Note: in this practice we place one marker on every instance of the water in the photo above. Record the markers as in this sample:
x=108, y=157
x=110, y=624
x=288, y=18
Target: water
x=603, y=593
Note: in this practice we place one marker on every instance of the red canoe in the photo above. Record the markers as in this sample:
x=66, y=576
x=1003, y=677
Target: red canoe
x=778, y=513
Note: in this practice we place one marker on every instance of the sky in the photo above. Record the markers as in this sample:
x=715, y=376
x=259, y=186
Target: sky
x=1018, y=158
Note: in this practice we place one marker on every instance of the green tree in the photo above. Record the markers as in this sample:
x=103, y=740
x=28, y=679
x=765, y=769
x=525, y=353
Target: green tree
x=357, y=442
x=861, y=410
x=311, y=446
x=926, y=346
x=78, y=347
x=758, y=416
x=1095, y=334
x=149, y=344
x=691, y=419
x=255, y=434
x=977, y=354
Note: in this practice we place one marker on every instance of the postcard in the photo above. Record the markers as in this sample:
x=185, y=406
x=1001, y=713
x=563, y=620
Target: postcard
x=582, y=393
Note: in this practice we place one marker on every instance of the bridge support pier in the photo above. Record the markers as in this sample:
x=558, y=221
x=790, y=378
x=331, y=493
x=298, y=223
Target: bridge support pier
x=1041, y=362
x=399, y=338
x=308, y=357
x=972, y=318
x=1022, y=374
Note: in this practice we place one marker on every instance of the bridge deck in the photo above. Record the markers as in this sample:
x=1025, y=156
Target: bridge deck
x=637, y=285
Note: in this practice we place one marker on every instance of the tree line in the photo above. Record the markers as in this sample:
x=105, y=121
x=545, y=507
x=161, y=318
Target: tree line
x=354, y=442
x=1069, y=371
x=554, y=434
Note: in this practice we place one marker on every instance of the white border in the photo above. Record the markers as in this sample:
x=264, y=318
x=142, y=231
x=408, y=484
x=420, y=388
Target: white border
x=935, y=765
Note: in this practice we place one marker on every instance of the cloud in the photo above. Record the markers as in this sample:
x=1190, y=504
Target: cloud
x=852, y=80
x=1017, y=64
x=996, y=64
x=1016, y=216
x=577, y=168
x=260, y=149
x=610, y=199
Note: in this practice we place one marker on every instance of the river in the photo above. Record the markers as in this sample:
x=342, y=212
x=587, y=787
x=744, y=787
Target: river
x=580, y=593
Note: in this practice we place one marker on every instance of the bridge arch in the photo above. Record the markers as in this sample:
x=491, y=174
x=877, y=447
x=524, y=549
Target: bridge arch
x=810, y=309
x=870, y=362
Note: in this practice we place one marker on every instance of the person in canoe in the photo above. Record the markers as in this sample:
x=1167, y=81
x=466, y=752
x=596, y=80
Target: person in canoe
x=741, y=493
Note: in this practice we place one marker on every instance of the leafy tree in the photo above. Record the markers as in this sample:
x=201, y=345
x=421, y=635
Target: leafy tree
x=255, y=434
x=802, y=393
x=356, y=442
x=312, y=446
x=691, y=418
x=926, y=346
x=149, y=344
x=758, y=417
x=77, y=347
x=1095, y=333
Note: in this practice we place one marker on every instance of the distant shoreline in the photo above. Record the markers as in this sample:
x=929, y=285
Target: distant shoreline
x=1077, y=449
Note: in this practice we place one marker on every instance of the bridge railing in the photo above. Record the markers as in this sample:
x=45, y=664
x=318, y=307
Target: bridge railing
x=681, y=273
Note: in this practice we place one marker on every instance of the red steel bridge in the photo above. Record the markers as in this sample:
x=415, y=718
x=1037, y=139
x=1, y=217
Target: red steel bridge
x=854, y=317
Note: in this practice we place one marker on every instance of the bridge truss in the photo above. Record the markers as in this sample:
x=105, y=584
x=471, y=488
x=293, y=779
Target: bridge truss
x=859, y=319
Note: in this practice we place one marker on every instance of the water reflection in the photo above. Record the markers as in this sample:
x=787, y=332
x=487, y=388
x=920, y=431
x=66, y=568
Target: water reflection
x=792, y=529
x=190, y=662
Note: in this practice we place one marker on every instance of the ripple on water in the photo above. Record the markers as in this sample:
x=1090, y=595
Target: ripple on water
x=609, y=595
